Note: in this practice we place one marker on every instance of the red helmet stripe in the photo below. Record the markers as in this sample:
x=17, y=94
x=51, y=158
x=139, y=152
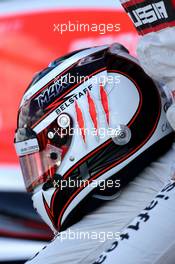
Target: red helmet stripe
x=104, y=100
x=80, y=120
x=92, y=110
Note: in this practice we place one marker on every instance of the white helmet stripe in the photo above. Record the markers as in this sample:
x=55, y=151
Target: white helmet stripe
x=45, y=122
x=59, y=69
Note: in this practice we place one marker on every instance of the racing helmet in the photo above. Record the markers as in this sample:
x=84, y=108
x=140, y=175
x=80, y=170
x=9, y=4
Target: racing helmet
x=87, y=124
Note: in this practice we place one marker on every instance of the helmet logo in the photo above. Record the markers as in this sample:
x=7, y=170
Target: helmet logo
x=52, y=91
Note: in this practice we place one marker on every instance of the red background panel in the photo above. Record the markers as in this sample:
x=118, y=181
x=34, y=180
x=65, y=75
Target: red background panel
x=28, y=43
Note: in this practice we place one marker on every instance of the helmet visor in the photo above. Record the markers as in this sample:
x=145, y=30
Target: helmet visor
x=40, y=155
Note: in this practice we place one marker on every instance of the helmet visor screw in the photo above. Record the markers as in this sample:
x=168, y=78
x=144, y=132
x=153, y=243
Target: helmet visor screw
x=50, y=135
x=63, y=121
x=121, y=135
